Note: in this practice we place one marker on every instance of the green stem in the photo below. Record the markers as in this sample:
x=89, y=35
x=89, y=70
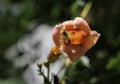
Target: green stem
x=48, y=74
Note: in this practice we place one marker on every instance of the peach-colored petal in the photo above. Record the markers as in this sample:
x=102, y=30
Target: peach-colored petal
x=56, y=34
x=81, y=24
x=91, y=39
x=75, y=51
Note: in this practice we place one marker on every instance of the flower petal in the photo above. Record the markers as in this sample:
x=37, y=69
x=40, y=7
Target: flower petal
x=75, y=51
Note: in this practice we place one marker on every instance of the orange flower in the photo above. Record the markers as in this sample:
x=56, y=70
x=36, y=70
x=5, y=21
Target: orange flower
x=74, y=38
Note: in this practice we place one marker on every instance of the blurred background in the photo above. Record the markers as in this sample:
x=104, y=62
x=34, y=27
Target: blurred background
x=25, y=40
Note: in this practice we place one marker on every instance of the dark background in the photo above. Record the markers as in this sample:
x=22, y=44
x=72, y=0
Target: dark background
x=17, y=15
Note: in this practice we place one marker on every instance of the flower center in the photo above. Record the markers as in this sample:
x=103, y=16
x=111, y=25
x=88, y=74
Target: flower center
x=77, y=36
x=73, y=36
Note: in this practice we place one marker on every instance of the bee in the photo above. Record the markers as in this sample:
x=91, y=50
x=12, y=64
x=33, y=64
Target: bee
x=67, y=39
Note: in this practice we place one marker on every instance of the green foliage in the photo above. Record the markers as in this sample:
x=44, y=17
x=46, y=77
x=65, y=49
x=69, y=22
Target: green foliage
x=15, y=17
x=11, y=81
x=114, y=63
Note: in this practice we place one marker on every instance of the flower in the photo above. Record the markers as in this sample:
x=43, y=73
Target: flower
x=74, y=38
